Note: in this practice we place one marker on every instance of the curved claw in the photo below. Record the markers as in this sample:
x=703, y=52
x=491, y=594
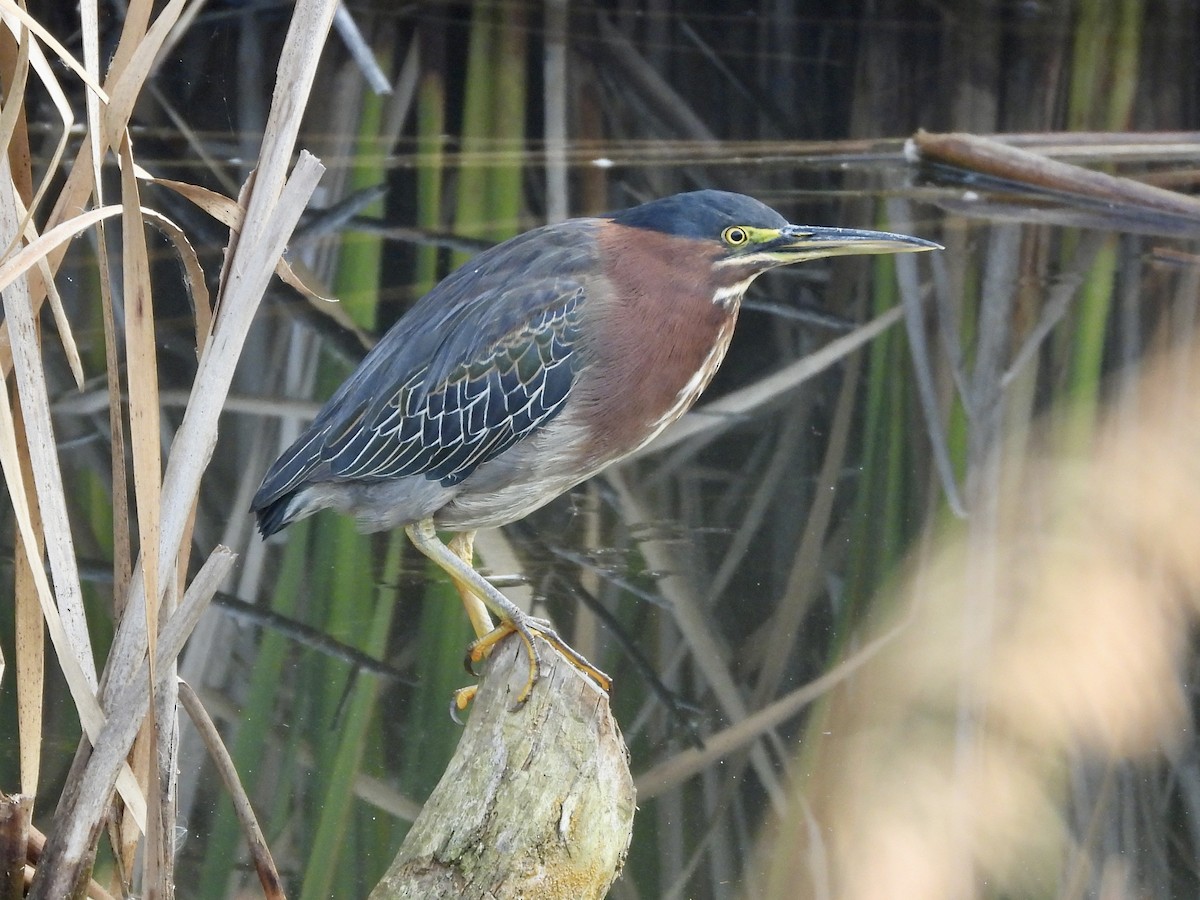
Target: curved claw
x=481, y=648
x=469, y=661
x=460, y=700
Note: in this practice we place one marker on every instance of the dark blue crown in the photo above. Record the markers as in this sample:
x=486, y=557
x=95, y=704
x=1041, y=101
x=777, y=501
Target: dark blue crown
x=701, y=215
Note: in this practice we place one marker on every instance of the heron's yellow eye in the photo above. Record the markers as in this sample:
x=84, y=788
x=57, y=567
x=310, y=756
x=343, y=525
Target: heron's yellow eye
x=734, y=236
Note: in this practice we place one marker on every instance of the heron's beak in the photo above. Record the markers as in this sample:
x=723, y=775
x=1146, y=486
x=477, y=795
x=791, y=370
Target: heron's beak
x=800, y=242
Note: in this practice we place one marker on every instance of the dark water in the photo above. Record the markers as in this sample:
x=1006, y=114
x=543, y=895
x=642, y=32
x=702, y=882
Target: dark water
x=737, y=559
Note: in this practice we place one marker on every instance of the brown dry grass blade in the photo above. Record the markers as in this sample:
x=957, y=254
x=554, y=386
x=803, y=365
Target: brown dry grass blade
x=30, y=644
x=31, y=261
x=14, y=136
x=86, y=704
x=29, y=255
x=84, y=802
x=273, y=209
x=30, y=639
x=194, y=441
x=230, y=213
x=21, y=319
x=134, y=57
x=126, y=80
x=142, y=368
x=12, y=124
x=144, y=435
x=10, y=9
x=13, y=128
x=193, y=274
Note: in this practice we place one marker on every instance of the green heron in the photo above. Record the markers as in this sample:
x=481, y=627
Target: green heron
x=531, y=368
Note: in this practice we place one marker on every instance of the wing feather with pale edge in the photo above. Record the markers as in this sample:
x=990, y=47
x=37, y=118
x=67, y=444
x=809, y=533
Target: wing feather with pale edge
x=481, y=362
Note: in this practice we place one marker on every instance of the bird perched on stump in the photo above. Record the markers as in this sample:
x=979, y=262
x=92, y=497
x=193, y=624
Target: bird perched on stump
x=531, y=368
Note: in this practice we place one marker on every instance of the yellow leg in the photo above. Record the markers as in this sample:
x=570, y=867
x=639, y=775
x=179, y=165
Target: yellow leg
x=513, y=619
x=463, y=546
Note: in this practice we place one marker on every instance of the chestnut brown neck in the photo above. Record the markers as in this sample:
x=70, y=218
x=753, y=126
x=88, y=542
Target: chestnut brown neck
x=656, y=325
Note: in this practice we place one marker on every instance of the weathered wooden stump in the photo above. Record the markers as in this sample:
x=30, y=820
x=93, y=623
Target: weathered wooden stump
x=537, y=802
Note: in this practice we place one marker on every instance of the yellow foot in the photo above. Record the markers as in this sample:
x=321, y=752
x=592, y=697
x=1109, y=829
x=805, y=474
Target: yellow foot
x=461, y=699
x=481, y=648
x=454, y=561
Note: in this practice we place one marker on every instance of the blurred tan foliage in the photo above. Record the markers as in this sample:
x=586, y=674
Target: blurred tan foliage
x=1052, y=627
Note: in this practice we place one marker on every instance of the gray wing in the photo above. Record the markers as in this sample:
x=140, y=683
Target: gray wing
x=484, y=360
x=446, y=427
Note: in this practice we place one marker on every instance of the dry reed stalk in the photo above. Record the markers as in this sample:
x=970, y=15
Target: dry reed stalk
x=143, y=656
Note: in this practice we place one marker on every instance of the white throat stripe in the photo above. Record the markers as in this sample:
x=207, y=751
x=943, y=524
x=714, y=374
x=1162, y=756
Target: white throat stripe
x=724, y=295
